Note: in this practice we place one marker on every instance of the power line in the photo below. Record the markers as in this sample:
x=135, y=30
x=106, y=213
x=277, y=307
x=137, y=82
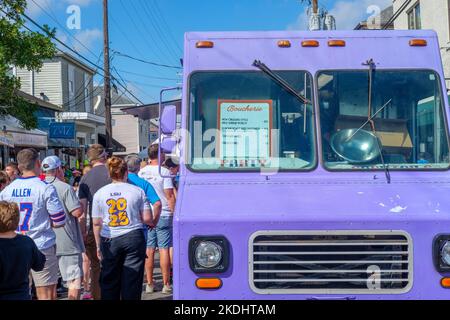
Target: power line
x=137, y=87
x=129, y=41
x=395, y=15
x=146, y=76
x=82, y=89
x=53, y=17
x=147, y=62
x=158, y=30
x=66, y=46
x=161, y=16
x=155, y=43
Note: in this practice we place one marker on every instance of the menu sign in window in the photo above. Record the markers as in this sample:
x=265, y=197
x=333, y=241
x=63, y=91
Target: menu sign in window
x=245, y=127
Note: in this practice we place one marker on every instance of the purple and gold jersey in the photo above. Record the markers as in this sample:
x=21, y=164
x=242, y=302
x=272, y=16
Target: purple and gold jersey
x=39, y=207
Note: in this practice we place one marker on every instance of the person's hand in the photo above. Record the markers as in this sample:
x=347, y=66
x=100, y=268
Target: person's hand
x=99, y=255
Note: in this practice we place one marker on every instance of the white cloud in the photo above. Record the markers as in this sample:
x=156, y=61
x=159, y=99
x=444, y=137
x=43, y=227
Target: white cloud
x=348, y=13
x=35, y=7
x=88, y=38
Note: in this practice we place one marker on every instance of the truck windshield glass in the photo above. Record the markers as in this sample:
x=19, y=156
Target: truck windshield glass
x=243, y=120
x=407, y=112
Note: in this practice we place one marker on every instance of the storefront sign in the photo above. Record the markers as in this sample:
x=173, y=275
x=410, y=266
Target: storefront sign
x=6, y=139
x=62, y=130
x=245, y=127
x=29, y=140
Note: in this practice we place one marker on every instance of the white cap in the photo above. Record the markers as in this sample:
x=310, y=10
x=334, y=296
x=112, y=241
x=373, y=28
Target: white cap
x=51, y=163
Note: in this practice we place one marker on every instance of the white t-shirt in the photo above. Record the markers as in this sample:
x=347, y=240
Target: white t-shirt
x=151, y=174
x=120, y=206
x=39, y=207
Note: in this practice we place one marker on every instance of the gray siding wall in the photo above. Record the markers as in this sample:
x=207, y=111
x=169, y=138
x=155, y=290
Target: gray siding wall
x=25, y=80
x=65, y=84
x=48, y=81
x=79, y=92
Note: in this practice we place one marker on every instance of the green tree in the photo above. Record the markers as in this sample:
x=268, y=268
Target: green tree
x=24, y=49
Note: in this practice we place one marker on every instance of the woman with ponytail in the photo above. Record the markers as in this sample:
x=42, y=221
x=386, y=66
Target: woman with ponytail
x=119, y=212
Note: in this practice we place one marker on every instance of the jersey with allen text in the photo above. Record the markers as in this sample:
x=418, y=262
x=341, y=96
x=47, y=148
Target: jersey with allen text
x=39, y=207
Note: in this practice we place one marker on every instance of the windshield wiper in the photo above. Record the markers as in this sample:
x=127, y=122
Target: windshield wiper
x=371, y=65
x=286, y=86
x=280, y=81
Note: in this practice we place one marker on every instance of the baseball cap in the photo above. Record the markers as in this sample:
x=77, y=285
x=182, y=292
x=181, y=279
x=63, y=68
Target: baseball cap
x=50, y=163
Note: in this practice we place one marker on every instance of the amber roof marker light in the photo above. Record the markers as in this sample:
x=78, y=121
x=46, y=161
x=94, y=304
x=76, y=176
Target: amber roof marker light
x=336, y=43
x=284, y=43
x=310, y=43
x=204, y=44
x=418, y=43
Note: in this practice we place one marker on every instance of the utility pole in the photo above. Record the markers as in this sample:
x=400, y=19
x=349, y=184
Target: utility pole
x=107, y=78
x=315, y=6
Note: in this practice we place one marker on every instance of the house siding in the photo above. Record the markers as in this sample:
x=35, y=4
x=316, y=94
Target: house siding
x=125, y=131
x=25, y=80
x=48, y=81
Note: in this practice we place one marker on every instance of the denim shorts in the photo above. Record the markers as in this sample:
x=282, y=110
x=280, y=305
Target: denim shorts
x=161, y=236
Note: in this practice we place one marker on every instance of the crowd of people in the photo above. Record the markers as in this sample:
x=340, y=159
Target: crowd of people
x=96, y=230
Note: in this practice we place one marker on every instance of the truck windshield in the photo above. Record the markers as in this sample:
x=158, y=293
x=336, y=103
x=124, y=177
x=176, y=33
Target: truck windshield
x=242, y=120
x=407, y=113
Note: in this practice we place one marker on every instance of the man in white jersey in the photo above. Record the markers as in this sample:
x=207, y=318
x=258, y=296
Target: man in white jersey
x=161, y=236
x=40, y=210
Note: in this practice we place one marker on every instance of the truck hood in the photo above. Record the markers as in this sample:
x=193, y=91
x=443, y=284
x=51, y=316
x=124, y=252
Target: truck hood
x=313, y=200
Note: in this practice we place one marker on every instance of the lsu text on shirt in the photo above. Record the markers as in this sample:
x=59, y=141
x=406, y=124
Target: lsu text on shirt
x=39, y=207
x=120, y=206
x=151, y=174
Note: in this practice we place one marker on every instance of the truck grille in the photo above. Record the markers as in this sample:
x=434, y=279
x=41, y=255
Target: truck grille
x=344, y=262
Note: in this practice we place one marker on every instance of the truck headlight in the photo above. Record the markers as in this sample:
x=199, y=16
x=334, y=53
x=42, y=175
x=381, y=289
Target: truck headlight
x=208, y=254
x=441, y=253
x=445, y=253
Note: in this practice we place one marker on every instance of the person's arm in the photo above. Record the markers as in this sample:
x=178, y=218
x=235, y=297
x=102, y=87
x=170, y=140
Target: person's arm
x=54, y=207
x=170, y=196
x=83, y=196
x=168, y=192
x=73, y=204
x=157, y=207
x=152, y=196
x=145, y=210
x=97, y=221
x=37, y=258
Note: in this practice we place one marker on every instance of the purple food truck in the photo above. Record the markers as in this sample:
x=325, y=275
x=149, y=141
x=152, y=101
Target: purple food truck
x=314, y=165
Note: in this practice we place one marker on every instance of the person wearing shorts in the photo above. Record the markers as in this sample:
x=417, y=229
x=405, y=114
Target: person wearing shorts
x=41, y=212
x=161, y=236
x=69, y=240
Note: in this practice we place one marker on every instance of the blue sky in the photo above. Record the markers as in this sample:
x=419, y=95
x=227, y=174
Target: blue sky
x=152, y=30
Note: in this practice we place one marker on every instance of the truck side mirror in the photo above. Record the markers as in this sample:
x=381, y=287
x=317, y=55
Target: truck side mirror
x=168, y=144
x=168, y=120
